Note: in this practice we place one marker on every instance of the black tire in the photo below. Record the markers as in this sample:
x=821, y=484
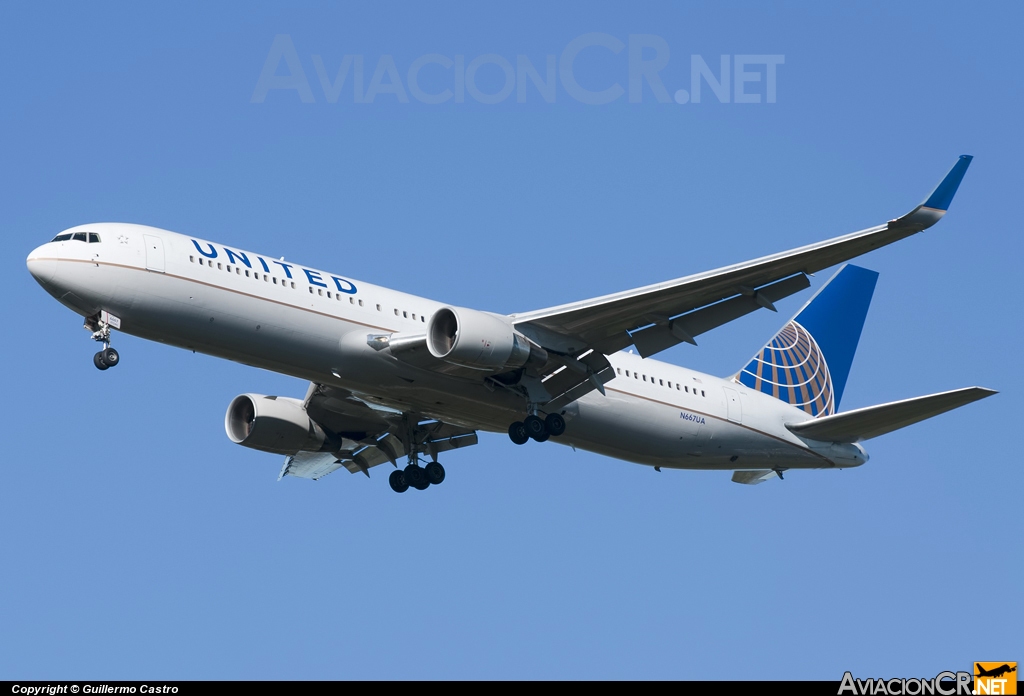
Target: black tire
x=555, y=424
x=434, y=472
x=416, y=477
x=97, y=360
x=397, y=481
x=517, y=433
x=542, y=438
x=110, y=357
x=536, y=428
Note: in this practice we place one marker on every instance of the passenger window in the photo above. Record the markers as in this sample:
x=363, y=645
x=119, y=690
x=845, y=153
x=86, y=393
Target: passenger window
x=275, y=280
x=80, y=237
x=191, y=259
x=320, y=292
x=618, y=370
x=405, y=315
x=220, y=267
x=396, y=311
x=351, y=300
x=310, y=290
x=677, y=386
x=687, y=389
x=360, y=303
x=246, y=273
x=94, y=238
x=293, y=285
x=378, y=308
x=414, y=316
x=422, y=318
x=661, y=382
x=702, y=393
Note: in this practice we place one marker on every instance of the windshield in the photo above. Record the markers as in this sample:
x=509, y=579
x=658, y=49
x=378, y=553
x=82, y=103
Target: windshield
x=93, y=238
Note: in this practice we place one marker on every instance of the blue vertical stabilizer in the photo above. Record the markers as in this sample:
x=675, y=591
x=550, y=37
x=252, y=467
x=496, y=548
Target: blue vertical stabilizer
x=806, y=364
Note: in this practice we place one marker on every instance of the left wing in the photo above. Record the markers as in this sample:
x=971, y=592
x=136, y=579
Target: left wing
x=367, y=435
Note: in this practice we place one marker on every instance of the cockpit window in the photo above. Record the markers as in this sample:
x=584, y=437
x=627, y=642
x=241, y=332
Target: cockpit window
x=61, y=238
x=94, y=238
x=80, y=237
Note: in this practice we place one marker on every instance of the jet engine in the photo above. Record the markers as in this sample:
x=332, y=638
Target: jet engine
x=479, y=341
x=272, y=424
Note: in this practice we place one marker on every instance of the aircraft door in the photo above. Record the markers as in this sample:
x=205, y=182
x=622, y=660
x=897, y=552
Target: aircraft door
x=154, y=253
x=733, y=406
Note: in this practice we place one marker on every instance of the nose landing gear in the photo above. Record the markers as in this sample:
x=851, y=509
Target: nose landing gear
x=100, y=326
x=106, y=358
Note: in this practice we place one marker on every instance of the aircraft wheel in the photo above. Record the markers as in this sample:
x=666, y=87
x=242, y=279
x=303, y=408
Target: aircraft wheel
x=535, y=428
x=110, y=357
x=555, y=424
x=97, y=360
x=397, y=481
x=434, y=472
x=517, y=433
x=416, y=477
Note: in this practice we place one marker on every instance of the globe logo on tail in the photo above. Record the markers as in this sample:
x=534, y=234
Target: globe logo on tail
x=792, y=368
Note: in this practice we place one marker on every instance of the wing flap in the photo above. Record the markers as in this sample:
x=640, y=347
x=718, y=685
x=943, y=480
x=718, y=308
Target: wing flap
x=309, y=465
x=669, y=332
x=872, y=421
x=753, y=477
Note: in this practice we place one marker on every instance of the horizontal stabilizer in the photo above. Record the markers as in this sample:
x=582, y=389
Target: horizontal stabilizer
x=866, y=423
x=752, y=478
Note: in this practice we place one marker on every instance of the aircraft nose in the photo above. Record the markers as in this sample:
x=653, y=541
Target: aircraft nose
x=41, y=265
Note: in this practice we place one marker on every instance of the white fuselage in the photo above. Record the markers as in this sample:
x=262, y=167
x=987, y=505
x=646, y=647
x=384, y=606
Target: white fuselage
x=313, y=325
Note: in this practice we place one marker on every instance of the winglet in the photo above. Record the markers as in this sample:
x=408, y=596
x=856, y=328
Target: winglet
x=937, y=203
x=943, y=194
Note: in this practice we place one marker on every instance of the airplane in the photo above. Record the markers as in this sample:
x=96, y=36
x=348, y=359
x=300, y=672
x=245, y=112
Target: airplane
x=392, y=375
x=996, y=671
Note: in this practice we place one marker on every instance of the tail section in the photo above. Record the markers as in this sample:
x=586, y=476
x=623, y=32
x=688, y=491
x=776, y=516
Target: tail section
x=806, y=364
x=865, y=423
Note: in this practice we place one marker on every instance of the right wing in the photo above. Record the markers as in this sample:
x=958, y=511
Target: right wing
x=656, y=317
x=677, y=310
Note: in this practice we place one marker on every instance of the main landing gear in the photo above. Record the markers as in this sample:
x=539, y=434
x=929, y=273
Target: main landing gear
x=416, y=476
x=100, y=327
x=536, y=428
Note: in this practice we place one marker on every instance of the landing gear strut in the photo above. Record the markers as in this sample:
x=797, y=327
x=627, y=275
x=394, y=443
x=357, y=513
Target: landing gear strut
x=533, y=427
x=100, y=327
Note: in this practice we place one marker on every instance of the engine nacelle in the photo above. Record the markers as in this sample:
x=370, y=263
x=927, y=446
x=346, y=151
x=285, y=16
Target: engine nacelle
x=480, y=341
x=272, y=424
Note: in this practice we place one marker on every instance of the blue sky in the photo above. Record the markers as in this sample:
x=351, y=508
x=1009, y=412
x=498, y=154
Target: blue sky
x=138, y=541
